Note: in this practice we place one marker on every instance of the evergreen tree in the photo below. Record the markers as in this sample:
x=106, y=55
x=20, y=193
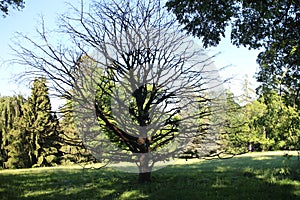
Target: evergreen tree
x=17, y=149
x=72, y=147
x=231, y=136
x=41, y=126
x=249, y=94
x=11, y=133
x=3, y=133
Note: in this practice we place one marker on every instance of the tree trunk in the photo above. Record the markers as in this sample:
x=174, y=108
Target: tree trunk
x=144, y=177
x=144, y=168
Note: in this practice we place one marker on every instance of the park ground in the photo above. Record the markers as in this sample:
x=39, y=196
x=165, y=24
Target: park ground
x=266, y=175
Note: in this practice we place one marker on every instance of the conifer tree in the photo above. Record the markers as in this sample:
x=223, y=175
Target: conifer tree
x=233, y=126
x=13, y=144
x=72, y=145
x=3, y=133
x=18, y=148
x=41, y=126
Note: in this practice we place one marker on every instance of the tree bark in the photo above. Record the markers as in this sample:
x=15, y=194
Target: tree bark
x=144, y=177
x=144, y=168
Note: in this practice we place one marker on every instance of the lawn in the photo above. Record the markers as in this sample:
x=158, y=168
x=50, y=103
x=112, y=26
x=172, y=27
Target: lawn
x=269, y=175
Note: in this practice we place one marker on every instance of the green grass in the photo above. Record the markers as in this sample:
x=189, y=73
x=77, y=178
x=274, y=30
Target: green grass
x=252, y=176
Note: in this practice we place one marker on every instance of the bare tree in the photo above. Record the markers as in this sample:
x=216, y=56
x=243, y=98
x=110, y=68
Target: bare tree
x=139, y=85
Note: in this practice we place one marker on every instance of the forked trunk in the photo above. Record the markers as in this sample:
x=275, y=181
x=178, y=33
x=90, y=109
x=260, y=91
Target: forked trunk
x=144, y=168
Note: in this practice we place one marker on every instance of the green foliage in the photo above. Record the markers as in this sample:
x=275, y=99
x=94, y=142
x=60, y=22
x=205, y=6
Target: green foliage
x=232, y=137
x=28, y=130
x=41, y=125
x=18, y=150
x=281, y=122
x=262, y=124
x=72, y=147
x=271, y=25
x=253, y=23
x=31, y=136
x=10, y=132
x=207, y=19
x=242, y=130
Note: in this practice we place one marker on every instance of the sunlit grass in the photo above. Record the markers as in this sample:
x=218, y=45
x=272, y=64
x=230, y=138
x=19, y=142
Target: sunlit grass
x=269, y=175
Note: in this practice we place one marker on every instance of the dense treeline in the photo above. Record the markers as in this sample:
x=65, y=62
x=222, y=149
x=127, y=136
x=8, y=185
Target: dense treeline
x=33, y=136
x=262, y=124
x=265, y=123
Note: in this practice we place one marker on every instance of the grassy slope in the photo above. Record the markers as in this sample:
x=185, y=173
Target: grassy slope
x=251, y=176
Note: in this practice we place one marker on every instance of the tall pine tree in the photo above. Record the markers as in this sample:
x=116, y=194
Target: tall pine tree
x=41, y=126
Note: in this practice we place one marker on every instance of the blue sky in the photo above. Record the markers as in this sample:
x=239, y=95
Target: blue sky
x=25, y=21
x=241, y=60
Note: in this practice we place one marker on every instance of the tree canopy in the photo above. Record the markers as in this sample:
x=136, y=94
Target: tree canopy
x=259, y=124
x=272, y=26
x=6, y=4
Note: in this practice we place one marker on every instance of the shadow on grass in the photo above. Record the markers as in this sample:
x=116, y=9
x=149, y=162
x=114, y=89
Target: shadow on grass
x=268, y=177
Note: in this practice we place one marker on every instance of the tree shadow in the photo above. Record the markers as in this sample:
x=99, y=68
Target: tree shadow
x=236, y=178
